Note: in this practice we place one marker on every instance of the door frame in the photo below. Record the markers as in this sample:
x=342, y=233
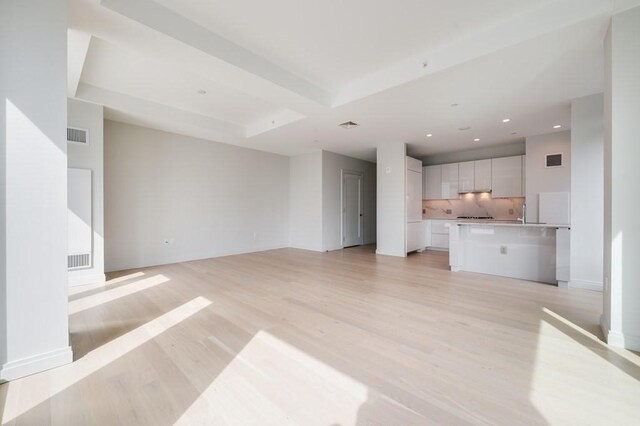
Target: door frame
x=343, y=210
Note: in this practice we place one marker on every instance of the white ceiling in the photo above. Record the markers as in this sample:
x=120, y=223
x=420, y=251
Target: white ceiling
x=281, y=75
x=331, y=43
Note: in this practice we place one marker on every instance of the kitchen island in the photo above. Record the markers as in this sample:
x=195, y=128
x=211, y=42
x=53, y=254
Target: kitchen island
x=531, y=251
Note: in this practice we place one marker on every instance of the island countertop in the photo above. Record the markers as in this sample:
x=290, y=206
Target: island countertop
x=513, y=224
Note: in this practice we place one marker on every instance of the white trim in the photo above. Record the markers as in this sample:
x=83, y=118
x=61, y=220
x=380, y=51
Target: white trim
x=35, y=364
x=618, y=339
x=586, y=285
x=390, y=254
x=76, y=279
x=125, y=266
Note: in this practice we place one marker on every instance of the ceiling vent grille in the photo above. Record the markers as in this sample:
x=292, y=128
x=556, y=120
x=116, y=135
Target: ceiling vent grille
x=349, y=125
x=79, y=261
x=78, y=135
x=553, y=160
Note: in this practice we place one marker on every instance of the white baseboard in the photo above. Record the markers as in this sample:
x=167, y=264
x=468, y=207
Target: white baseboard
x=586, y=285
x=618, y=339
x=35, y=364
x=200, y=256
x=306, y=248
x=382, y=253
x=84, y=279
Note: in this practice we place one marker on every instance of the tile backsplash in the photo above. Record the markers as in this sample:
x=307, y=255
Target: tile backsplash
x=474, y=205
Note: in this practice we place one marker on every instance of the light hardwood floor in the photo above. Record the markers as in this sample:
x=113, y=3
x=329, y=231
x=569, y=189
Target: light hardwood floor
x=341, y=338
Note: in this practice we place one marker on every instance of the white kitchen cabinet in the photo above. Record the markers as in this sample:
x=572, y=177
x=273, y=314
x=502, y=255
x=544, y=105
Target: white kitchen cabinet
x=414, y=196
x=432, y=182
x=506, y=177
x=438, y=230
x=466, y=176
x=414, y=232
x=415, y=236
x=450, y=181
x=482, y=175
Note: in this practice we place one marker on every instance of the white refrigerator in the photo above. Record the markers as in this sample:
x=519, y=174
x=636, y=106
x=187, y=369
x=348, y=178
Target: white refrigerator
x=414, y=233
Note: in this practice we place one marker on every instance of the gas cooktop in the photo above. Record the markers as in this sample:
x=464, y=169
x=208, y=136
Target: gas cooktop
x=476, y=217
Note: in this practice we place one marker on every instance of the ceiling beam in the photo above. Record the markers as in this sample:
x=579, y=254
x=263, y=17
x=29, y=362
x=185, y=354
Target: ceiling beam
x=214, y=128
x=173, y=25
x=549, y=17
x=77, y=49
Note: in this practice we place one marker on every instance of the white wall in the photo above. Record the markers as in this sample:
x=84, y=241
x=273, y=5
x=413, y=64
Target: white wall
x=305, y=201
x=390, y=199
x=587, y=192
x=33, y=187
x=540, y=179
x=207, y=199
x=621, y=316
x=90, y=116
x=332, y=165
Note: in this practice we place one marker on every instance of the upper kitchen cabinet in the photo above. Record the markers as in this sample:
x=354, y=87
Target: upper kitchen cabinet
x=507, y=177
x=482, y=175
x=432, y=182
x=474, y=176
x=466, y=174
x=450, y=181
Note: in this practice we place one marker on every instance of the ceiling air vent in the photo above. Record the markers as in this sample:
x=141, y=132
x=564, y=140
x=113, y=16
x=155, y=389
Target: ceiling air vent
x=78, y=135
x=553, y=160
x=349, y=125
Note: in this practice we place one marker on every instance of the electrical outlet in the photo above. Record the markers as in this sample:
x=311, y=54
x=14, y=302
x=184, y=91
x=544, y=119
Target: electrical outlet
x=424, y=211
x=448, y=211
x=510, y=211
x=255, y=236
x=503, y=249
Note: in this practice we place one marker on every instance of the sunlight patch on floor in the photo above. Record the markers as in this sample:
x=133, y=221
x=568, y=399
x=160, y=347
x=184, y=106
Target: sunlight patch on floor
x=565, y=393
x=307, y=391
x=24, y=394
x=106, y=296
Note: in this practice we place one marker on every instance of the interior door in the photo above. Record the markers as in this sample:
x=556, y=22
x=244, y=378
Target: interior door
x=352, y=215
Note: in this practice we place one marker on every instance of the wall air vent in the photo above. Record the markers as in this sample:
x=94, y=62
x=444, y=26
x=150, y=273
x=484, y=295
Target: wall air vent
x=78, y=135
x=553, y=160
x=349, y=125
x=79, y=261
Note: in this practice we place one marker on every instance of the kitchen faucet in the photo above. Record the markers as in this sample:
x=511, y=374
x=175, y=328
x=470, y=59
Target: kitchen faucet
x=523, y=219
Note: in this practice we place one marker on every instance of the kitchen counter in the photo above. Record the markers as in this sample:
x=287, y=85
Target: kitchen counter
x=509, y=223
x=530, y=251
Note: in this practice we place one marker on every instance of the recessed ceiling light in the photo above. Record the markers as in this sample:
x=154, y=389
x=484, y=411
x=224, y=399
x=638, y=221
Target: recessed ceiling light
x=514, y=133
x=202, y=92
x=476, y=140
x=429, y=135
x=454, y=105
x=506, y=120
x=557, y=126
x=348, y=125
x=464, y=128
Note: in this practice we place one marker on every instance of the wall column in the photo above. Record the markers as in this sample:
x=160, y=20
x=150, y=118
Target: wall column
x=621, y=313
x=34, y=333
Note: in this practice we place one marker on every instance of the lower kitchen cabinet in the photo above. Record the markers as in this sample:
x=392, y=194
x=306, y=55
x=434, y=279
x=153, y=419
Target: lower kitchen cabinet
x=437, y=233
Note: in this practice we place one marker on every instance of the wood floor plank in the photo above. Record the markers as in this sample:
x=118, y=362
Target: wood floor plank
x=346, y=337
